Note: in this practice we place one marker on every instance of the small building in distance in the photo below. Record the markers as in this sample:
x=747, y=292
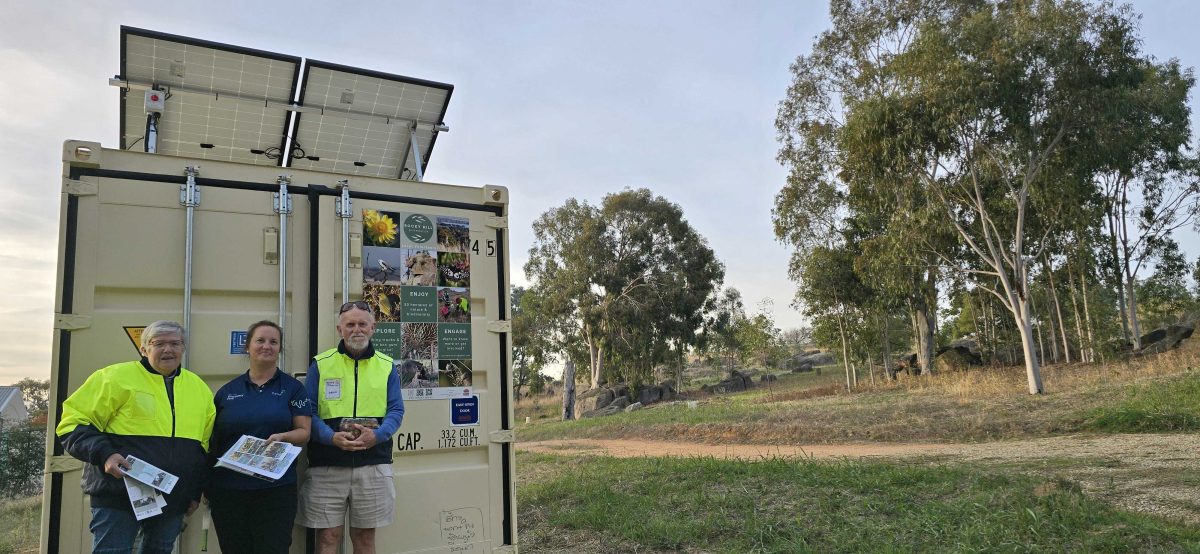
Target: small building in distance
x=12, y=407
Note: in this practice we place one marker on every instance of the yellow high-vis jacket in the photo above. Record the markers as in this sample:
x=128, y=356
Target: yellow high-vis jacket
x=130, y=409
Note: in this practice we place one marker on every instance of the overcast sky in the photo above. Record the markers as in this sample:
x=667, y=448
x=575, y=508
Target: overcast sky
x=552, y=99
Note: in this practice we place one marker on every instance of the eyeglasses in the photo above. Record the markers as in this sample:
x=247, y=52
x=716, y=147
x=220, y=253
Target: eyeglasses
x=164, y=344
x=356, y=304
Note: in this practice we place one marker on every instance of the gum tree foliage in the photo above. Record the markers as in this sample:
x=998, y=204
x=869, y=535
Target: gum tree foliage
x=719, y=336
x=822, y=204
x=628, y=282
x=530, y=347
x=1000, y=103
x=36, y=395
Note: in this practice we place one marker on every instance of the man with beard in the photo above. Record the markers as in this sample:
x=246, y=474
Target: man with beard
x=350, y=462
x=151, y=409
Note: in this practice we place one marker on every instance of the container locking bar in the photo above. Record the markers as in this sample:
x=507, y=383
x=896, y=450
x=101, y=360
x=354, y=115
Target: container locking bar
x=189, y=198
x=345, y=210
x=282, y=204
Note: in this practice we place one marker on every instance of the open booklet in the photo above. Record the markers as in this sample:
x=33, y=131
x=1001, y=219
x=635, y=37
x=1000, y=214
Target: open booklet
x=258, y=458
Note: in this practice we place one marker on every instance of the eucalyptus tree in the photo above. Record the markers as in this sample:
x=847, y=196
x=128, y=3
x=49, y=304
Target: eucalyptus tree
x=848, y=64
x=1002, y=104
x=531, y=346
x=628, y=280
x=833, y=297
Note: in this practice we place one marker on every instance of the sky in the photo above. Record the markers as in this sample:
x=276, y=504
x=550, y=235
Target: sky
x=552, y=99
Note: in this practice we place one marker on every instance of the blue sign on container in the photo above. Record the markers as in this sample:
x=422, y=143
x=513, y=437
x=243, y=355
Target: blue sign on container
x=464, y=411
x=237, y=342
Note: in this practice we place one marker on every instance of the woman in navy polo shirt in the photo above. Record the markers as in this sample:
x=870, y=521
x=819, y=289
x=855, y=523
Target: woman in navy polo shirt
x=252, y=515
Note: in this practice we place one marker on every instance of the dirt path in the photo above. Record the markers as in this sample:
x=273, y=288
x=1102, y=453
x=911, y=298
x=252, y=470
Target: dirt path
x=1157, y=473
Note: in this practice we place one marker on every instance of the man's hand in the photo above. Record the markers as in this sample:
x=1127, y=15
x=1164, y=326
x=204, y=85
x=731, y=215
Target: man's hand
x=344, y=440
x=278, y=437
x=366, y=439
x=114, y=464
x=192, y=507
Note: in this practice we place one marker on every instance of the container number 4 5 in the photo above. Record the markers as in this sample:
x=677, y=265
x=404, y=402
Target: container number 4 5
x=489, y=247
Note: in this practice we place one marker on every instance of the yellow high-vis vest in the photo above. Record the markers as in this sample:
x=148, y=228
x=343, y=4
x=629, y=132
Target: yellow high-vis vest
x=343, y=392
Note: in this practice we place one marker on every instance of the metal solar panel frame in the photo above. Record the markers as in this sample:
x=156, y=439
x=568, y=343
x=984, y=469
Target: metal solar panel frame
x=287, y=125
x=406, y=159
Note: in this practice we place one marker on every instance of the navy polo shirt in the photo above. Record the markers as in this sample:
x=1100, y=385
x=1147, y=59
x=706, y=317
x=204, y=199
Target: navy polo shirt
x=244, y=408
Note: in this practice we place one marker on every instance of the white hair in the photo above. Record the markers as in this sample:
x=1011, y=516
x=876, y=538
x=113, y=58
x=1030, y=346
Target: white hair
x=161, y=327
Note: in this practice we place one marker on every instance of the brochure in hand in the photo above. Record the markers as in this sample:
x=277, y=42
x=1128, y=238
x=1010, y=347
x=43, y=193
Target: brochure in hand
x=148, y=474
x=258, y=458
x=146, y=501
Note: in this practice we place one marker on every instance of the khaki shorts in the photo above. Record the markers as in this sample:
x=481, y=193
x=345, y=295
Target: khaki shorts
x=369, y=491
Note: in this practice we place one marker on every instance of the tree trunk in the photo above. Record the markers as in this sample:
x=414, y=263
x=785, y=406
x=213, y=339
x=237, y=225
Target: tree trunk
x=568, y=410
x=1118, y=272
x=845, y=350
x=595, y=363
x=1134, y=327
x=1083, y=349
x=871, y=370
x=888, y=370
x=1032, y=367
x=1087, y=316
x=1062, y=329
x=923, y=330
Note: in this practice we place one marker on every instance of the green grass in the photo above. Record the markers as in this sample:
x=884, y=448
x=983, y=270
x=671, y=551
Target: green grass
x=20, y=522
x=1162, y=406
x=703, y=504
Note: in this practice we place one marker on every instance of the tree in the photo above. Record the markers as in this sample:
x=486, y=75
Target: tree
x=627, y=281
x=36, y=394
x=529, y=344
x=720, y=329
x=996, y=102
x=822, y=203
x=1164, y=295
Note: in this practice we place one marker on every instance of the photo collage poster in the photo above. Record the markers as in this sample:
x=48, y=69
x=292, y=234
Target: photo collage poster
x=417, y=279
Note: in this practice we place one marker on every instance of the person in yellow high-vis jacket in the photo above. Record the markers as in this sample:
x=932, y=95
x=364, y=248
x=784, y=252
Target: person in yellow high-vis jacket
x=152, y=409
x=350, y=464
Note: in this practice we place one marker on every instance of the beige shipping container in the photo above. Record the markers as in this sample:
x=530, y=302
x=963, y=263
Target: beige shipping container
x=122, y=263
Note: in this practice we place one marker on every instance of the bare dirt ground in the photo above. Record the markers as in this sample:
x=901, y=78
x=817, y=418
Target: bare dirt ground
x=1152, y=473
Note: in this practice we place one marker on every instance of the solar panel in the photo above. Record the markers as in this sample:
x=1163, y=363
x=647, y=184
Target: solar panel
x=231, y=103
x=362, y=122
x=222, y=101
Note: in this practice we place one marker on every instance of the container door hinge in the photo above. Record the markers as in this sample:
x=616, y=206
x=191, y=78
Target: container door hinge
x=63, y=464
x=75, y=187
x=504, y=435
x=502, y=326
x=497, y=222
x=70, y=322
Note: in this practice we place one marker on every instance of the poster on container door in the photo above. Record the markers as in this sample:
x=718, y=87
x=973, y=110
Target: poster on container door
x=417, y=279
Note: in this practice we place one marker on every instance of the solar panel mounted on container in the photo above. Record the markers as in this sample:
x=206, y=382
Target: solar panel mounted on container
x=361, y=122
x=223, y=102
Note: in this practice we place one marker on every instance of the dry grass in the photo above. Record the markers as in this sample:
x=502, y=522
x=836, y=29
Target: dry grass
x=970, y=406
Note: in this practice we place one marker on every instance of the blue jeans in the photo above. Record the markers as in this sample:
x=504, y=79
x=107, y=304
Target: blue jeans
x=114, y=531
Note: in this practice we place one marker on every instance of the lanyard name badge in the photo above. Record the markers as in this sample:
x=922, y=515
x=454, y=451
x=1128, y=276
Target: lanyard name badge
x=333, y=389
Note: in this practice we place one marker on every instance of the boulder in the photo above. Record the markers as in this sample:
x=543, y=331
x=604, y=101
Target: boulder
x=768, y=378
x=737, y=381
x=1161, y=340
x=633, y=407
x=649, y=394
x=594, y=399
x=668, y=391
x=955, y=358
x=802, y=367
